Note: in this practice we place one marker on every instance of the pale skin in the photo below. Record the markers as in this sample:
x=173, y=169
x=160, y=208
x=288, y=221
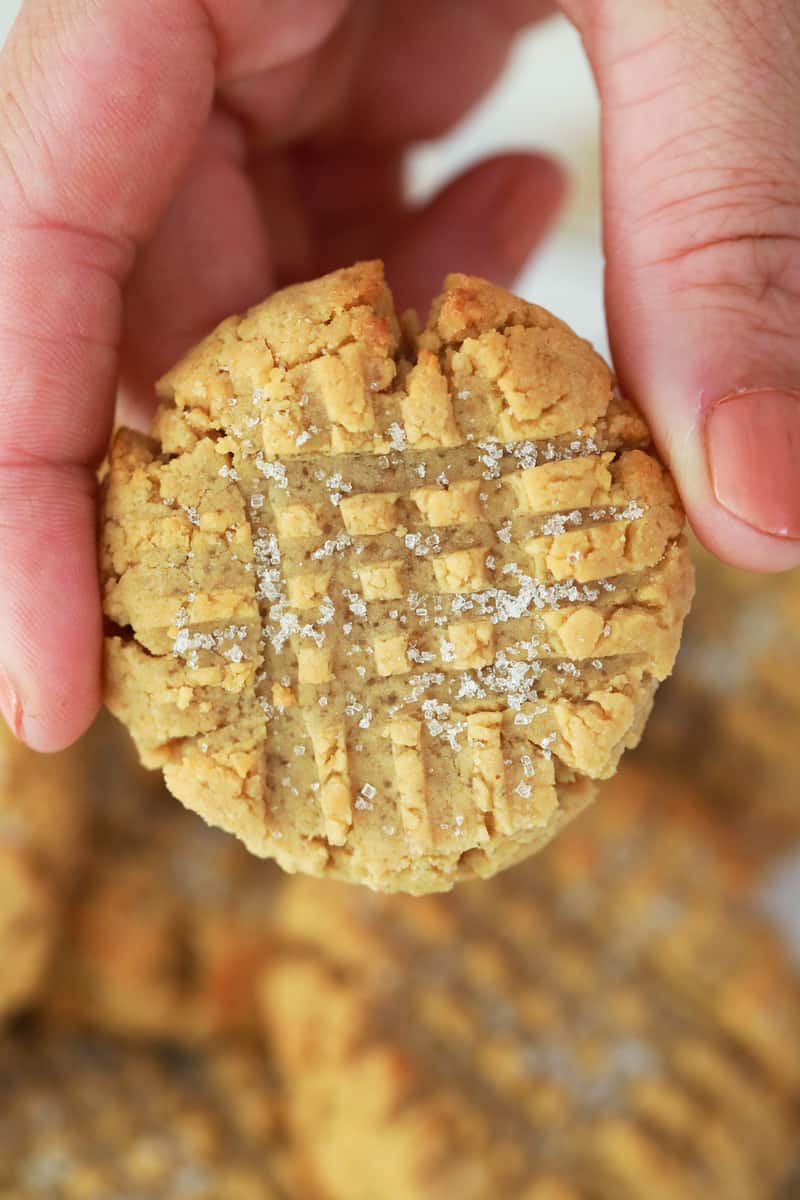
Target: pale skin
x=165, y=164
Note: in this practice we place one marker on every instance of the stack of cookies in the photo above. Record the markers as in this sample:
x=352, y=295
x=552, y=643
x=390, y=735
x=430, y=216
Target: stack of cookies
x=86, y=1118
x=605, y=1021
x=729, y=715
x=387, y=603
x=608, y=1020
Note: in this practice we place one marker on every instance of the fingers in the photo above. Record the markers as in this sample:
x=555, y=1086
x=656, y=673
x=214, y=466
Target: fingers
x=389, y=74
x=83, y=178
x=102, y=113
x=209, y=257
x=701, y=142
x=441, y=58
x=329, y=207
x=253, y=36
x=49, y=607
x=487, y=222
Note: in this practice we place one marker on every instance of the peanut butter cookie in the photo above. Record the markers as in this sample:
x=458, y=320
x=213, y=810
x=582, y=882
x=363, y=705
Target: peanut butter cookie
x=90, y=1119
x=41, y=822
x=729, y=716
x=388, y=601
x=607, y=1022
x=171, y=921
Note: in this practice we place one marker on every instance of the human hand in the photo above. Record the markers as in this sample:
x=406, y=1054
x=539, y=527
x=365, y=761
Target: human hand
x=700, y=231
x=701, y=162
x=164, y=165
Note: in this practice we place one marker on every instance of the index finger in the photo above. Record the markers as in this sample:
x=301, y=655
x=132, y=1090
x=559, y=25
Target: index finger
x=103, y=109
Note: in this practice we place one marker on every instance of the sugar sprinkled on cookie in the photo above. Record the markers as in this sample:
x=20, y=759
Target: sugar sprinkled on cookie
x=387, y=601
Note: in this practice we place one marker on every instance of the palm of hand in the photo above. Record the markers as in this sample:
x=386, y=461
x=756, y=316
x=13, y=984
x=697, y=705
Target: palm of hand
x=300, y=169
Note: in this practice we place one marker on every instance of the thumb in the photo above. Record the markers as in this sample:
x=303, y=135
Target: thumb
x=701, y=163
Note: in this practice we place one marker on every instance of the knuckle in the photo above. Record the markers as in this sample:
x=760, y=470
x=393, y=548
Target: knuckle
x=738, y=242
x=758, y=271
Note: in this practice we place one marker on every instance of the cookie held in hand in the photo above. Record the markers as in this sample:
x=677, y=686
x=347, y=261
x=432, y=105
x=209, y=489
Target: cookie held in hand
x=387, y=601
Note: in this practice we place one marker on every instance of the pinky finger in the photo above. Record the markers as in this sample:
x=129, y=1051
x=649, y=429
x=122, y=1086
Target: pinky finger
x=486, y=222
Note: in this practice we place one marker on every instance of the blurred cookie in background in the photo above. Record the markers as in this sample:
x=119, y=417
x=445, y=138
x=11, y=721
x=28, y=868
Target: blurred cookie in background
x=607, y=1021
x=171, y=919
x=83, y=1118
x=729, y=717
x=41, y=825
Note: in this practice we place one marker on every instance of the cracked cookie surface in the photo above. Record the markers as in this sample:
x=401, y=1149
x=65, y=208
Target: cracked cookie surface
x=389, y=601
x=608, y=1022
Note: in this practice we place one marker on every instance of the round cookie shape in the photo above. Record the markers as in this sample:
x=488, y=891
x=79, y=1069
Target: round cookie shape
x=389, y=600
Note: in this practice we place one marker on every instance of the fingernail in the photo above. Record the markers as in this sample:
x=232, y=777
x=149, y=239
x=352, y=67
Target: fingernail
x=753, y=447
x=10, y=705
